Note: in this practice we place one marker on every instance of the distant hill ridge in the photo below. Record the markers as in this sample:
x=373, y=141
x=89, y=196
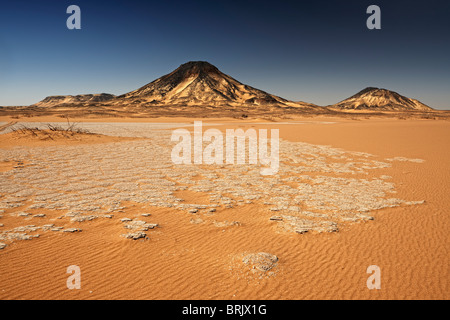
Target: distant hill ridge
x=51, y=101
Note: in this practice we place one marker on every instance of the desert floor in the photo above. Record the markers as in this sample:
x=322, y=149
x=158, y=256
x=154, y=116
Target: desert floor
x=349, y=194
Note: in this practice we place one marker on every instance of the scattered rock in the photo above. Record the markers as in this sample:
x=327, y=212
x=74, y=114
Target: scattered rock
x=15, y=236
x=135, y=235
x=72, y=230
x=196, y=221
x=300, y=225
x=276, y=218
x=262, y=261
x=83, y=218
x=30, y=228
x=221, y=224
x=140, y=225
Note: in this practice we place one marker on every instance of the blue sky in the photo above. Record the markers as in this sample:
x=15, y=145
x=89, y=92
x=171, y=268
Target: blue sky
x=319, y=52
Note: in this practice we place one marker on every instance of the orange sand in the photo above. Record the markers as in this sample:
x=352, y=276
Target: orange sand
x=48, y=138
x=181, y=260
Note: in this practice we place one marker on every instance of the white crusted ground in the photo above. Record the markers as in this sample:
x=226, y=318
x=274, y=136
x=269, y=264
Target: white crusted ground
x=316, y=189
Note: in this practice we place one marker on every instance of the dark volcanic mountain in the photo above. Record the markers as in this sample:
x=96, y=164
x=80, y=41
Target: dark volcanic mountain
x=380, y=99
x=200, y=83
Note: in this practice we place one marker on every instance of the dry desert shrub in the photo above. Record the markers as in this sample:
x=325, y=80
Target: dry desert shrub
x=52, y=131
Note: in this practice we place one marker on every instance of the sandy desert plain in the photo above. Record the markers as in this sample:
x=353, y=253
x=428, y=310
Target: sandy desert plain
x=349, y=193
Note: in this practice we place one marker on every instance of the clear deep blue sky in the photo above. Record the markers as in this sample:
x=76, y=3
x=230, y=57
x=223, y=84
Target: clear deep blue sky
x=313, y=51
